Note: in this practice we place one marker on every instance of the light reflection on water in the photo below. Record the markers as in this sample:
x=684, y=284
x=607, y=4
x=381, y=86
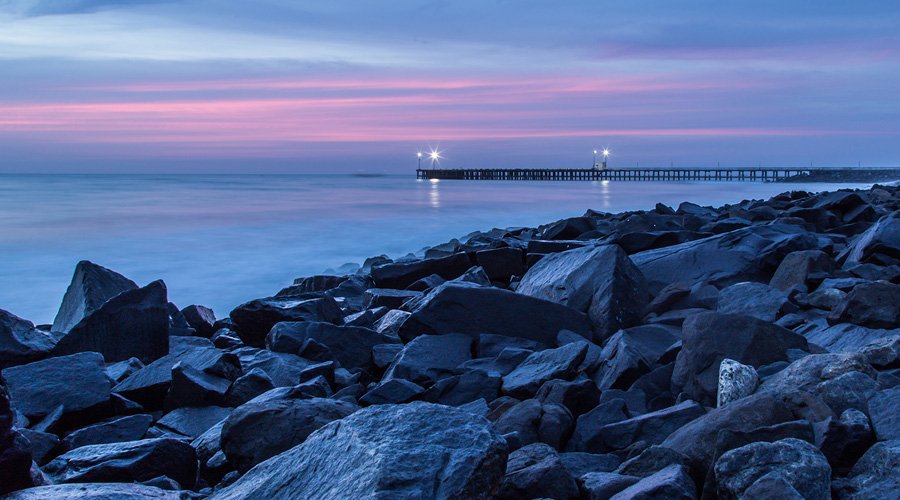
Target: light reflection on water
x=222, y=240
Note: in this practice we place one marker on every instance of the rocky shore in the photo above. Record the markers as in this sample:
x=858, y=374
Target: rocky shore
x=745, y=351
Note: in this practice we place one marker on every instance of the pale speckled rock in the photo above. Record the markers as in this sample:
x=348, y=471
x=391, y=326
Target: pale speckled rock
x=735, y=381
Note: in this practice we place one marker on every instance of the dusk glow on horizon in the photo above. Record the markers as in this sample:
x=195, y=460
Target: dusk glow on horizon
x=204, y=86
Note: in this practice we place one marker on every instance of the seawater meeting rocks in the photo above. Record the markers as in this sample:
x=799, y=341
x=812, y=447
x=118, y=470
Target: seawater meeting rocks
x=750, y=350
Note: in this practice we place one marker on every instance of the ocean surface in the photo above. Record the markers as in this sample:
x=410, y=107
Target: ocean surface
x=220, y=240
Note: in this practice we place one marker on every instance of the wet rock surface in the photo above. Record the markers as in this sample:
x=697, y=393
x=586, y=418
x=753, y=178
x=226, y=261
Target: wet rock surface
x=744, y=351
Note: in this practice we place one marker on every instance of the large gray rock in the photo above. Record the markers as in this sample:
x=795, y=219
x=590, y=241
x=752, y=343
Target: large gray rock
x=599, y=281
x=419, y=450
x=126, y=462
x=845, y=337
x=134, y=323
x=799, y=463
x=77, y=383
x=254, y=319
x=96, y=491
x=747, y=254
x=257, y=431
x=710, y=337
x=20, y=341
x=474, y=310
x=90, y=288
x=560, y=363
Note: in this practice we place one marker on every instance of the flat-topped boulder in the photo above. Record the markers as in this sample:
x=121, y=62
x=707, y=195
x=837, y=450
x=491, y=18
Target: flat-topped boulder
x=254, y=319
x=76, y=383
x=473, y=310
x=400, y=275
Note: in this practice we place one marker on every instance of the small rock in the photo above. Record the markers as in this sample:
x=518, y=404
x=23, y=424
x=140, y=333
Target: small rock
x=735, y=381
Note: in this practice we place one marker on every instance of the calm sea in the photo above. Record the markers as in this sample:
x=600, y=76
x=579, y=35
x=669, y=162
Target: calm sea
x=221, y=240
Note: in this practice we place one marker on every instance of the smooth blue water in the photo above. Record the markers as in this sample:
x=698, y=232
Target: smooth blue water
x=221, y=240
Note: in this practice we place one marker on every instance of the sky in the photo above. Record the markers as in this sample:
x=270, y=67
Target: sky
x=352, y=86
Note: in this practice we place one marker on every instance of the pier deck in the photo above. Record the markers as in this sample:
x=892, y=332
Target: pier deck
x=776, y=174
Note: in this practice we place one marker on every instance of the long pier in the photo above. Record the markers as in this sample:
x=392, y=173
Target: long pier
x=774, y=174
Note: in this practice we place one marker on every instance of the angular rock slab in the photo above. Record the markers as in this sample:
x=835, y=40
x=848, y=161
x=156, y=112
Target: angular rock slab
x=134, y=323
x=419, y=450
x=126, y=462
x=473, y=310
x=599, y=281
x=20, y=341
x=77, y=382
x=90, y=288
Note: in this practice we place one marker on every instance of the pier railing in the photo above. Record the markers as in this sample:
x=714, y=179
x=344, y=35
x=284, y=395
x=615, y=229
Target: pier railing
x=773, y=174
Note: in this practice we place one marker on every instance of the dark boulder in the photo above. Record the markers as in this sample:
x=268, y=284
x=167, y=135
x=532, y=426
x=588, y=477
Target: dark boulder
x=189, y=422
x=202, y=319
x=130, y=428
x=650, y=461
x=149, y=385
x=875, y=476
x=797, y=462
x=578, y=396
x=134, y=323
x=500, y=264
x=349, y=345
x=539, y=367
x=15, y=450
x=464, y=388
x=257, y=431
x=536, y=471
x=394, y=391
x=77, y=382
x=96, y=491
x=754, y=299
x=631, y=353
x=387, y=297
x=671, y=483
x=90, y=288
x=652, y=428
x=709, y=337
x=42, y=444
x=844, y=440
x=126, y=462
x=599, y=281
x=603, y=485
x=474, y=310
x=883, y=410
x=799, y=268
x=587, y=434
x=399, y=275
x=580, y=463
x=253, y=320
x=535, y=422
x=282, y=368
x=697, y=439
x=20, y=341
x=418, y=450
x=428, y=358
x=877, y=245
x=192, y=387
x=748, y=254
x=875, y=305
x=248, y=386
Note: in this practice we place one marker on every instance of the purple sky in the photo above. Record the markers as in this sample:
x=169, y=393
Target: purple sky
x=286, y=86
